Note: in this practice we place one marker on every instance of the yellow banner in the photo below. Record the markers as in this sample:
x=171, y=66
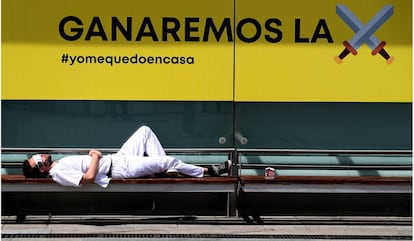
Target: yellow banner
x=302, y=67
x=115, y=50
x=212, y=50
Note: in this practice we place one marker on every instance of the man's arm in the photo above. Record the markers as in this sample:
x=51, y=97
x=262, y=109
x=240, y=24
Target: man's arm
x=90, y=175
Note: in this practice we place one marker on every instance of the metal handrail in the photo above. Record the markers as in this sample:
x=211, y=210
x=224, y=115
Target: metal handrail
x=228, y=151
x=106, y=150
x=317, y=166
x=325, y=151
x=195, y=150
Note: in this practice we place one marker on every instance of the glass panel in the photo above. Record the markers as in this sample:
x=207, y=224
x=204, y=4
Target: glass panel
x=324, y=125
x=106, y=124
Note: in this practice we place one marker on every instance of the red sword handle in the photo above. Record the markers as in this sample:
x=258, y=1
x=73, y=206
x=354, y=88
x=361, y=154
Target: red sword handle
x=380, y=49
x=348, y=49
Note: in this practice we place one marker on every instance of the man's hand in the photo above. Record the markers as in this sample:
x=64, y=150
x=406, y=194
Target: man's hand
x=92, y=152
x=89, y=176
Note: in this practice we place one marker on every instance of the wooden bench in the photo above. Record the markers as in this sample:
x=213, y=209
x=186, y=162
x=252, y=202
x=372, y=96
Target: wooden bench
x=227, y=184
x=326, y=171
x=297, y=171
x=16, y=187
x=324, y=181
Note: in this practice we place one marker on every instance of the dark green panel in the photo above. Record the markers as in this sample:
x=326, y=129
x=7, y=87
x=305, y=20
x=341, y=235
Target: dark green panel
x=324, y=125
x=107, y=124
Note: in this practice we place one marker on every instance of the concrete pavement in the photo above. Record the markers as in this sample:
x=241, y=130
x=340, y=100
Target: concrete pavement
x=125, y=228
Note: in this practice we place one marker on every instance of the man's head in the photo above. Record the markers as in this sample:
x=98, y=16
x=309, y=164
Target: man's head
x=37, y=166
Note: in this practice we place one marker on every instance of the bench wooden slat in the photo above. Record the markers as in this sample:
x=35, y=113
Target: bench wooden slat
x=326, y=180
x=326, y=184
x=146, y=180
x=18, y=183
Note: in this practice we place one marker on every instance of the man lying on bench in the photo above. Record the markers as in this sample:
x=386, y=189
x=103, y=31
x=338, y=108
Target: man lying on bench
x=128, y=162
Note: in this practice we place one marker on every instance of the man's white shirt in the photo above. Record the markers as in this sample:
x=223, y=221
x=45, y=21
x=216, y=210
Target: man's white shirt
x=69, y=170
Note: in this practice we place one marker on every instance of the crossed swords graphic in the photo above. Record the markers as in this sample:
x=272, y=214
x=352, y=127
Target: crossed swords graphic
x=364, y=33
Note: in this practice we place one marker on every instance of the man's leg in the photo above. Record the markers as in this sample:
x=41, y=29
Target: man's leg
x=136, y=166
x=142, y=141
x=161, y=164
x=153, y=165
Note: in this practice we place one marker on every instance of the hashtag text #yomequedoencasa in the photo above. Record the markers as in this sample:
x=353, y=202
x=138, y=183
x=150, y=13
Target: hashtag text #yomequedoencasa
x=125, y=59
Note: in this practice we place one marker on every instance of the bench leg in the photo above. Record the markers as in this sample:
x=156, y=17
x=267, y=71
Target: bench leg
x=20, y=217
